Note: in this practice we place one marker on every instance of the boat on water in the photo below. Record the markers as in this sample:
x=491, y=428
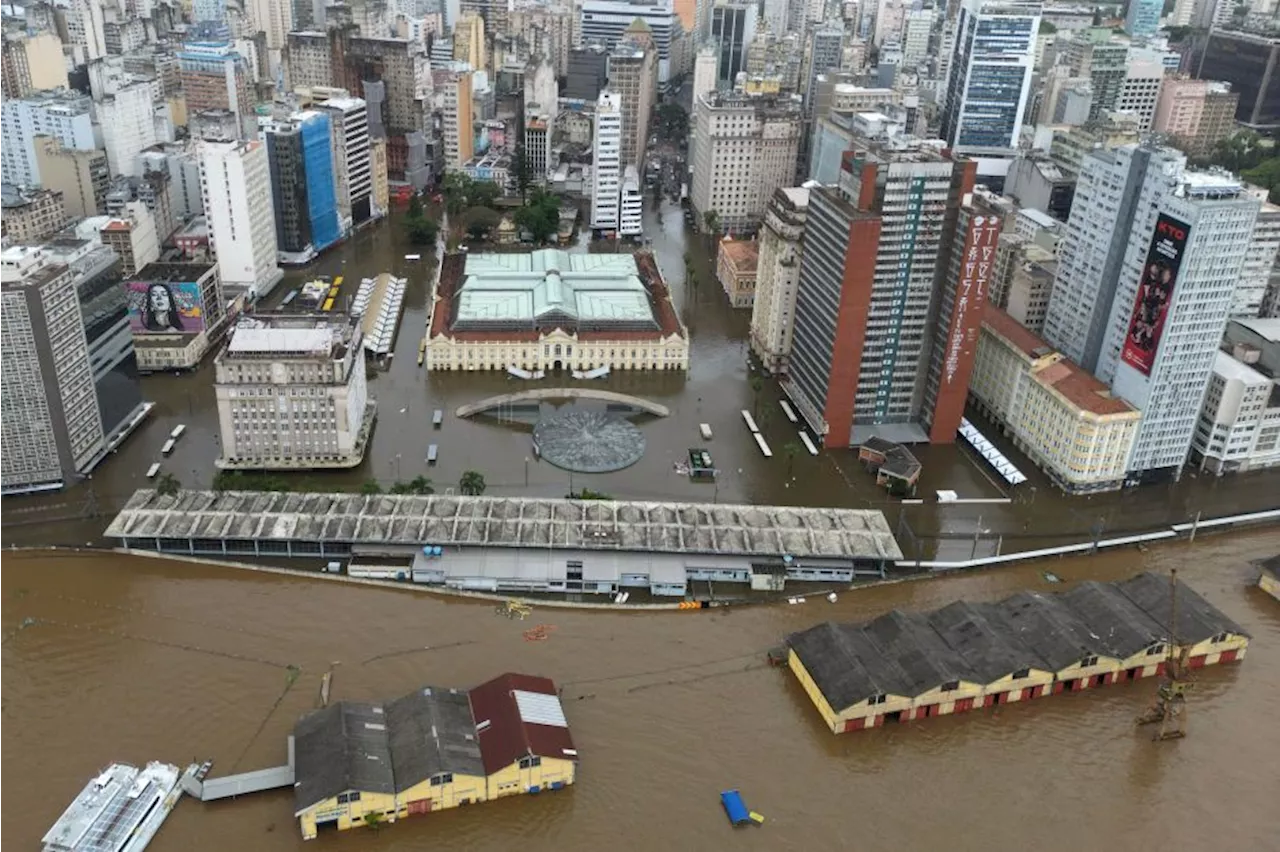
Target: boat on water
x=153, y=470
x=705, y=429
x=168, y=446
x=118, y=811
x=177, y=431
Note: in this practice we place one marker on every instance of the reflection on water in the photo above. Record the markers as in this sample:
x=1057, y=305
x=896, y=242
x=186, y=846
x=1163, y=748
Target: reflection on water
x=129, y=658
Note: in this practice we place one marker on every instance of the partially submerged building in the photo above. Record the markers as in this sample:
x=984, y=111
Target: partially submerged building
x=362, y=763
x=500, y=544
x=904, y=666
x=553, y=310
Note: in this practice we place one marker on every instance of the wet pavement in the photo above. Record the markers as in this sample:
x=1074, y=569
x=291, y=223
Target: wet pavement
x=715, y=390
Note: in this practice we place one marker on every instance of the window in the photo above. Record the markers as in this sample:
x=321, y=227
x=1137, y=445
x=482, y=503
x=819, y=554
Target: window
x=1088, y=661
x=1155, y=649
x=1021, y=673
x=876, y=699
x=343, y=798
x=1221, y=637
x=530, y=762
x=951, y=686
x=441, y=779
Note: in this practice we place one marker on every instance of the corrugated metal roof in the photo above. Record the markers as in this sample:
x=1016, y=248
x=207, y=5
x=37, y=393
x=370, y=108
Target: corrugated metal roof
x=539, y=709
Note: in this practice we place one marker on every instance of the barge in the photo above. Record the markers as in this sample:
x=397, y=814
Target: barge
x=118, y=811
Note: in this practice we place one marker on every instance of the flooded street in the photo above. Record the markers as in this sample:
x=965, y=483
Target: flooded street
x=129, y=658
x=716, y=389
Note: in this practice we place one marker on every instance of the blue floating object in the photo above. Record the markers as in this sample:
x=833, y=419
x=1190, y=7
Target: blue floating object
x=735, y=808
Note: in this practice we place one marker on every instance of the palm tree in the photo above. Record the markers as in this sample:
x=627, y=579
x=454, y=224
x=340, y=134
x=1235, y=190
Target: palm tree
x=168, y=485
x=370, y=488
x=421, y=485
x=472, y=483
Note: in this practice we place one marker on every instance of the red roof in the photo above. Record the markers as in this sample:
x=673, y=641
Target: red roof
x=507, y=737
x=1026, y=341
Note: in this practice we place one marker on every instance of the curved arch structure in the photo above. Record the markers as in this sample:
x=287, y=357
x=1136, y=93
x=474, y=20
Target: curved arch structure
x=561, y=393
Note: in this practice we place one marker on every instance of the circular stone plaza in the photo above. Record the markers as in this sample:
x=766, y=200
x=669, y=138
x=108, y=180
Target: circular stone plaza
x=584, y=441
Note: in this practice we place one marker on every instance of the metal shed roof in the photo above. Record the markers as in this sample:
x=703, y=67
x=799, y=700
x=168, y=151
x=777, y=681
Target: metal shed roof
x=511, y=522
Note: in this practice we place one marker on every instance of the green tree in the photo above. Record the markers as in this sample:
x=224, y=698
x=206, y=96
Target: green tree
x=540, y=215
x=415, y=206
x=472, y=483
x=373, y=819
x=457, y=190
x=422, y=485
x=168, y=485
x=521, y=170
x=1266, y=174
x=421, y=230
x=483, y=193
x=480, y=222
x=1239, y=152
x=712, y=220
x=370, y=487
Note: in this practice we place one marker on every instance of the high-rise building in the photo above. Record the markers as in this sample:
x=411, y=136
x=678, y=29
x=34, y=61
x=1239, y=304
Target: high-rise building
x=588, y=72
x=1113, y=187
x=606, y=168
x=1247, y=61
x=468, y=41
x=128, y=124
x=457, y=117
x=236, y=184
x=862, y=350
x=349, y=123
x=916, y=33
x=606, y=21
x=1142, y=19
x=731, y=26
x=1098, y=55
x=132, y=237
x=81, y=176
x=1197, y=114
x=630, y=204
x=633, y=77
x=744, y=148
x=215, y=76
x=53, y=430
x=31, y=62
x=273, y=18
x=1239, y=425
x=704, y=71
x=63, y=115
x=30, y=216
x=303, y=189
x=321, y=416
x=1259, y=264
x=826, y=47
x=1140, y=92
x=777, y=277
x=1175, y=292
x=961, y=299
x=990, y=75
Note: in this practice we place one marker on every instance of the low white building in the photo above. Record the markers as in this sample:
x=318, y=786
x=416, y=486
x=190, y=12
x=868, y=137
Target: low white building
x=631, y=204
x=292, y=395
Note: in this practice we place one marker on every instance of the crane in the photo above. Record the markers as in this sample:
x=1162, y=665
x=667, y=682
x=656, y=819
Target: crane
x=1169, y=709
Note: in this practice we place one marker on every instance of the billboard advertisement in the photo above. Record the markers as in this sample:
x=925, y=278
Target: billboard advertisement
x=1155, y=293
x=165, y=307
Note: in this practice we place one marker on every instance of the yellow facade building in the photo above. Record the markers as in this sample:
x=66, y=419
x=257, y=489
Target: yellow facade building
x=902, y=667
x=1062, y=417
x=1269, y=579
x=360, y=764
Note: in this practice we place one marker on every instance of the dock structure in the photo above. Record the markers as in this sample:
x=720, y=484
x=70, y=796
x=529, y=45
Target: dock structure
x=904, y=666
x=229, y=786
x=521, y=544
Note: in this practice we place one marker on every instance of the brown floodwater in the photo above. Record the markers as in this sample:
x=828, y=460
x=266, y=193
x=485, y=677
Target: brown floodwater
x=135, y=659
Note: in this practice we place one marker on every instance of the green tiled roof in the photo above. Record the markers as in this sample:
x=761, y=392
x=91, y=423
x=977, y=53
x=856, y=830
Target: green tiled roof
x=548, y=283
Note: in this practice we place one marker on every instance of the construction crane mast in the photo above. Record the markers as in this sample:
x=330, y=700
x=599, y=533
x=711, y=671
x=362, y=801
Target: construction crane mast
x=1169, y=709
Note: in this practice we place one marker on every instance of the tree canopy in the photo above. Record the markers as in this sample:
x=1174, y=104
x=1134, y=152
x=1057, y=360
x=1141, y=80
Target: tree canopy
x=540, y=215
x=472, y=483
x=480, y=221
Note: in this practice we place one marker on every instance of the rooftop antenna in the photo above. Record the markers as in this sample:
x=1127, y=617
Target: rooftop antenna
x=1170, y=706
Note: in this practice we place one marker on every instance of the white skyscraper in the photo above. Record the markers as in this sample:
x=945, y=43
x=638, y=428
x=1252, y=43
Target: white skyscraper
x=989, y=80
x=236, y=188
x=607, y=163
x=1171, y=306
x=128, y=125
x=1114, y=188
x=631, y=204
x=352, y=166
x=62, y=115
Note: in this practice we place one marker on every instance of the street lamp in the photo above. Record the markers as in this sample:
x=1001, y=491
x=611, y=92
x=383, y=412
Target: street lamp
x=526, y=471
